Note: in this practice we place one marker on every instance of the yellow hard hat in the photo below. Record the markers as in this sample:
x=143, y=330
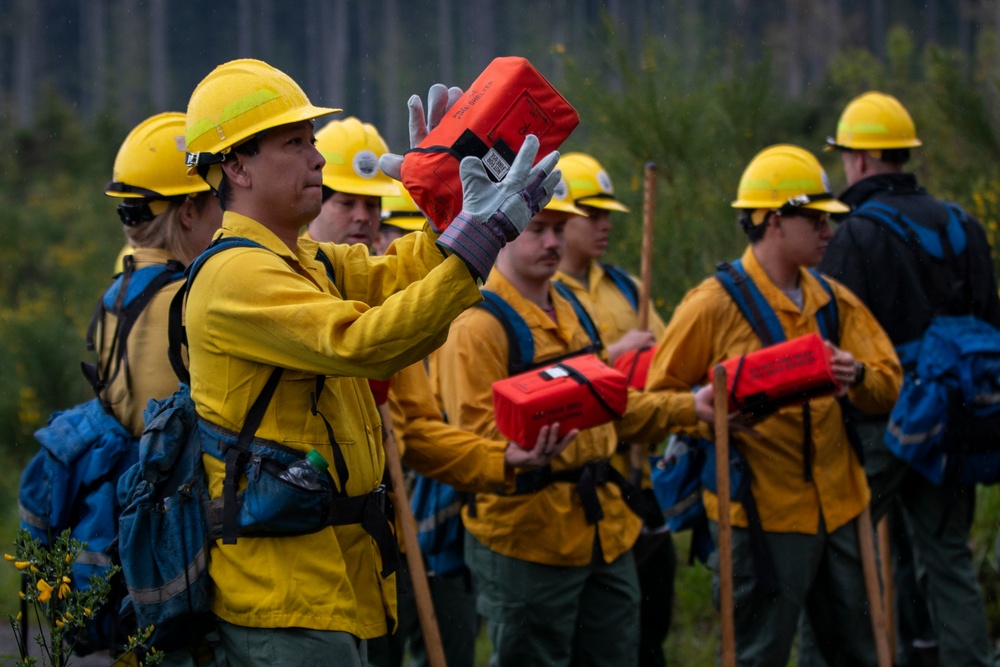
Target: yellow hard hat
x=588, y=182
x=562, y=199
x=150, y=162
x=874, y=120
x=238, y=100
x=352, y=150
x=786, y=176
x=401, y=211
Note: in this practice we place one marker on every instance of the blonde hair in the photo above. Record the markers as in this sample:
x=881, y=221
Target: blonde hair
x=161, y=233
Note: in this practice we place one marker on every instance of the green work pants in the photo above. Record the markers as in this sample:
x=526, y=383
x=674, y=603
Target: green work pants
x=556, y=616
x=819, y=575
x=291, y=647
x=939, y=520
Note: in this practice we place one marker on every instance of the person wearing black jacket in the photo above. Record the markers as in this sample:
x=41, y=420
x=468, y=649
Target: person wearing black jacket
x=904, y=290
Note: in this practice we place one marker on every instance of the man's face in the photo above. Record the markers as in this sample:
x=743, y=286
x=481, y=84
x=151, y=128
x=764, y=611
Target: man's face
x=587, y=237
x=348, y=218
x=805, y=235
x=386, y=235
x=286, y=176
x=535, y=254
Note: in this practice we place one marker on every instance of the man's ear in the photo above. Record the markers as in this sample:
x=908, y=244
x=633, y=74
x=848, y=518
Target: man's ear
x=235, y=170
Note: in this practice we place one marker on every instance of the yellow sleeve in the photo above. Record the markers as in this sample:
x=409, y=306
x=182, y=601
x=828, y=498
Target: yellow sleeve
x=471, y=360
x=258, y=308
x=685, y=353
x=436, y=449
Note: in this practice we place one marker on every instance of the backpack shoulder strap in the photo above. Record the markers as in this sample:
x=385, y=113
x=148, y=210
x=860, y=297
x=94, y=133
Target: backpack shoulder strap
x=828, y=317
x=752, y=304
x=596, y=344
x=935, y=243
x=176, y=334
x=330, y=273
x=519, y=338
x=128, y=296
x=623, y=281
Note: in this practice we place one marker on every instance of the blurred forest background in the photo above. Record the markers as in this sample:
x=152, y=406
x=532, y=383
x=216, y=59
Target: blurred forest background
x=698, y=86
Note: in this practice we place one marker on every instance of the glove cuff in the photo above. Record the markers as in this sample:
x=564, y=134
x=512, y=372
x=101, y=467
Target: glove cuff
x=477, y=243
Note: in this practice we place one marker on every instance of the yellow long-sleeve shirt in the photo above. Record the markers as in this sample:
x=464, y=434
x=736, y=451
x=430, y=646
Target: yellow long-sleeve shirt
x=251, y=309
x=549, y=526
x=708, y=328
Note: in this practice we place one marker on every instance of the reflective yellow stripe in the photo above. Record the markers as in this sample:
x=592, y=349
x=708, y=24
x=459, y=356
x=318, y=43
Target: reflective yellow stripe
x=229, y=112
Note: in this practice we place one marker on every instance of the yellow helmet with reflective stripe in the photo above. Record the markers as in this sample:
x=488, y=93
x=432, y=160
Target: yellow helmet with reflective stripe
x=150, y=162
x=401, y=211
x=785, y=175
x=238, y=100
x=562, y=199
x=352, y=150
x=588, y=182
x=874, y=121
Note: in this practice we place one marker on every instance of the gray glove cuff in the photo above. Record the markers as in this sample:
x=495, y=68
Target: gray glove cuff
x=478, y=243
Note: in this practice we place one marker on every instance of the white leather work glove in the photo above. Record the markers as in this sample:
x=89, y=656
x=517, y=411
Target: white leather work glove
x=495, y=213
x=440, y=98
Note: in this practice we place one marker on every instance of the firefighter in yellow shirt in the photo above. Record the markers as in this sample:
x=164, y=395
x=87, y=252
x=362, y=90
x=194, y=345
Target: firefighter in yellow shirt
x=328, y=316
x=556, y=586
x=806, y=481
x=612, y=297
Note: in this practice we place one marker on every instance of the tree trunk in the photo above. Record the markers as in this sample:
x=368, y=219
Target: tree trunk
x=314, y=49
x=392, y=125
x=244, y=22
x=159, y=84
x=446, y=40
x=26, y=65
x=93, y=28
x=793, y=48
x=336, y=47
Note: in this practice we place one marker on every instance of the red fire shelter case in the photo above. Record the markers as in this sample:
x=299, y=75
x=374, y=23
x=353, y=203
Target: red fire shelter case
x=579, y=392
x=508, y=101
x=784, y=374
x=634, y=364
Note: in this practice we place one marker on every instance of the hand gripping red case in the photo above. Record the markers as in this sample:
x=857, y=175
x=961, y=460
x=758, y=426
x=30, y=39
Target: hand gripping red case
x=634, y=364
x=784, y=374
x=579, y=392
x=508, y=101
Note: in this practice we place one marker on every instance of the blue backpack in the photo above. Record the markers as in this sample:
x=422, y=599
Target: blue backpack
x=168, y=521
x=437, y=509
x=946, y=423
x=70, y=483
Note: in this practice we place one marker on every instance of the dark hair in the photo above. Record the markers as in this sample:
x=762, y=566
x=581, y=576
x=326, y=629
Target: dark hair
x=896, y=155
x=248, y=148
x=754, y=232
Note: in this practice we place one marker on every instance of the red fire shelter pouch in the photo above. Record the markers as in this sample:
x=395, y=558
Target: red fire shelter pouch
x=792, y=372
x=579, y=392
x=634, y=364
x=508, y=101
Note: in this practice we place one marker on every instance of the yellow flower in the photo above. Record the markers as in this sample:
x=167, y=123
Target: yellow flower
x=21, y=564
x=8, y=558
x=69, y=616
x=86, y=612
x=18, y=617
x=20, y=594
x=33, y=569
x=45, y=590
x=63, y=590
x=59, y=623
x=67, y=558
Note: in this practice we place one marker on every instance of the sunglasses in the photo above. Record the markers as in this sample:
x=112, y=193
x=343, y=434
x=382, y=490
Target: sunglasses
x=819, y=219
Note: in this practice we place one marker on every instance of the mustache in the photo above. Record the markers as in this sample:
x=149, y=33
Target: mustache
x=552, y=254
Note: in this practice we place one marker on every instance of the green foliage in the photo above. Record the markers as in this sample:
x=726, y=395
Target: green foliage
x=55, y=599
x=60, y=238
